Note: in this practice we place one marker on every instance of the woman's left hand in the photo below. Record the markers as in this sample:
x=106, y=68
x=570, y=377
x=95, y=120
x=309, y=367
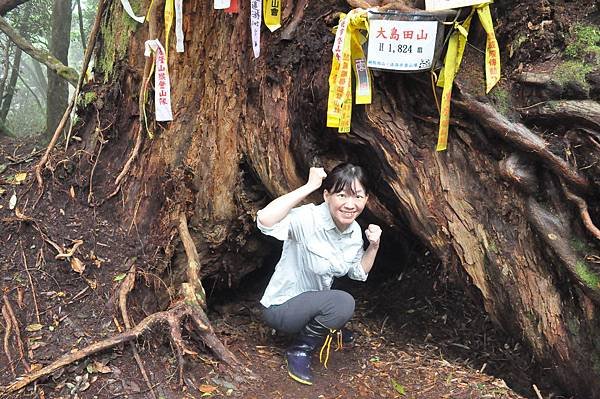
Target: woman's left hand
x=373, y=233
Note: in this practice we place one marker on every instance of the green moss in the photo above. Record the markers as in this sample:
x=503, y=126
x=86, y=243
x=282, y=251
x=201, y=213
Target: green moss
x=501, y=98
x=88, y=98
x=582, y=55
x=516, y=44
x=573, y=71
x=116, y=35
x=584, y=43
x=590, y=278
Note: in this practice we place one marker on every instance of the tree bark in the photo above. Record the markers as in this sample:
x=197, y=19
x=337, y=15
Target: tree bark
x=8, y=5
x=81, y=30
x=9, y=91
x=58, y=90
x=245, y=130
x=5, y=68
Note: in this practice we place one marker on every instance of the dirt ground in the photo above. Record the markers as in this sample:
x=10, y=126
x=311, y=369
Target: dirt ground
x=417, y=335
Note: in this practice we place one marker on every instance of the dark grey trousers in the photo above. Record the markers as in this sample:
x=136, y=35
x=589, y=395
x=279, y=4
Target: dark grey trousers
x=331, y=308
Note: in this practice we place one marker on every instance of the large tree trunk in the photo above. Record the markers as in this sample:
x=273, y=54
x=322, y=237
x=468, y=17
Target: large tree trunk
x=58, y=89
x=492, y=207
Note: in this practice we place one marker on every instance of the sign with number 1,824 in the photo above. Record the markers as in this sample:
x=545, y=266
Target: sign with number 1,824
x=401, y=45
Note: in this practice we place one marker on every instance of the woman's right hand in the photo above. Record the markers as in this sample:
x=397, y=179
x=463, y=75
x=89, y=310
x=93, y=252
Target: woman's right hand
x=315, y=178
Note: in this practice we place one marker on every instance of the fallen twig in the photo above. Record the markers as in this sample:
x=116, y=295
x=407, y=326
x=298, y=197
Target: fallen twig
x=7, y=332
x=15, y=325
x=35, y=304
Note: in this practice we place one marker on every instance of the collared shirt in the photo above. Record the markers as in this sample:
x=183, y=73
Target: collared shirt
x=314, y=251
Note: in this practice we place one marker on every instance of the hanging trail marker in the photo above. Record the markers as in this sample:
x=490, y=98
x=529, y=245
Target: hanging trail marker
x=255, y=22
x=234, y=8
x=130, y=12
x=162, y=84
x=169, y=14
x=222, y=4
x=272, y=10
x=179, y=47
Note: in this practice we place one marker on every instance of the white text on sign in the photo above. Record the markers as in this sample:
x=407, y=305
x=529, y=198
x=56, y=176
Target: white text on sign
x=401, y=45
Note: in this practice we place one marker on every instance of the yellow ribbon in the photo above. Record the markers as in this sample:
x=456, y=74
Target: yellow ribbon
x=272, y=14
x=169, y=12
x=492, y=51
x=453, y=59
x=349, y=51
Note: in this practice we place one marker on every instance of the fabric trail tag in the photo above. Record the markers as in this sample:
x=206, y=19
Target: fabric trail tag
x=272, y=11
x=130, y=12
x=255, y=22
x=221, y=4
x=179, y=47
x=162, y=85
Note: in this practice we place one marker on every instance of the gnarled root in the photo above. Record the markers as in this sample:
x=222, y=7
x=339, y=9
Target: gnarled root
x=554, y=231
x=191, y=307
x=172, y=317
x=520, y=136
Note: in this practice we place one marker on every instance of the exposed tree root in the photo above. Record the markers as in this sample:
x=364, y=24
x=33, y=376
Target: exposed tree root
x=583, y=212
x=152, y=29
x=65, y=117
x=290, y=29
x=126, y=287
x=552, y=227
x=189, y=307
x=173, y=317
x=12, y=324
x=521, y=137
x=556, y=233
x=584, y=113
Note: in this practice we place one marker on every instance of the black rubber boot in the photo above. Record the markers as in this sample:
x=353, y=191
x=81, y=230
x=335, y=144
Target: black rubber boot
x=298, y=355
x=347, y=337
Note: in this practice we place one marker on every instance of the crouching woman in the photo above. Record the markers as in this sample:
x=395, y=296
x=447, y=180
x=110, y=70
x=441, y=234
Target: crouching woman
x=320, y=242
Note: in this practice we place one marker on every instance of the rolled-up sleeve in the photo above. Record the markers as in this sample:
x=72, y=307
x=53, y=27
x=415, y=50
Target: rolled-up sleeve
x=279, y=230
x=356, y=271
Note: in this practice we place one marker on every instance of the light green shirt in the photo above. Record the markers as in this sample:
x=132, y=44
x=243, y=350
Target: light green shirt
x=314, y=252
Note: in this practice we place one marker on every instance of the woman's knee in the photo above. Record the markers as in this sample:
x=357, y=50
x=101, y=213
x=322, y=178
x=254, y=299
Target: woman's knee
x=344, y=303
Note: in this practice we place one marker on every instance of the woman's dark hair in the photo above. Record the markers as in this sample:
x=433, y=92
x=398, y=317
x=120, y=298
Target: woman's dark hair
x=342, y=177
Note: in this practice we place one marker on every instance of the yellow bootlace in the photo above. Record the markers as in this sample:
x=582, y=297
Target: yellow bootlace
x=327, y=345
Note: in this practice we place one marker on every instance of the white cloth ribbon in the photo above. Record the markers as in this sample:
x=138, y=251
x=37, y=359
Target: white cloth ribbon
x=222, y=4
x=179, y=25
x=255, y=23
x=130, y=12
x=162, y=85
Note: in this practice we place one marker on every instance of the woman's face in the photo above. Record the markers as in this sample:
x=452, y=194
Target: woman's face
x=346, y=205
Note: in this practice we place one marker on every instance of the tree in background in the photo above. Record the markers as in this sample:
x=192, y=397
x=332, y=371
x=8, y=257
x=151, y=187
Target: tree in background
x=58, y=88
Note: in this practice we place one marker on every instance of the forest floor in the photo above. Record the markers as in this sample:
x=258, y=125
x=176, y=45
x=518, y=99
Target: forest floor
x=417, y=336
